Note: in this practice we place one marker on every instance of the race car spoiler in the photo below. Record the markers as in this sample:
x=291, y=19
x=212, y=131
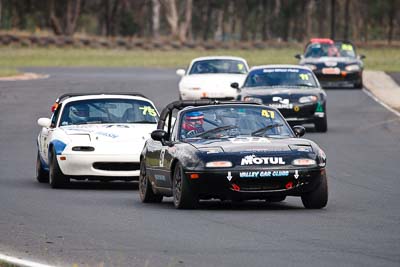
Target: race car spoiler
x=67, y=95
x=180, y=104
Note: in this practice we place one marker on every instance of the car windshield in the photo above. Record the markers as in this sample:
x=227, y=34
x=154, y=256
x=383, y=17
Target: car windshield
x=97, y=111
x=222, y=121
x=218, y=66
x=338, y=49
x=285, y=77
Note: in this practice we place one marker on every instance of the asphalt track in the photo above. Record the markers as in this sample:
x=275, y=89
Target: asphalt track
x=107, y=225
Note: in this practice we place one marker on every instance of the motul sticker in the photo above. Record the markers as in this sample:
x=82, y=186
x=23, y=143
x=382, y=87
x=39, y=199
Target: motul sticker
x=253, y=160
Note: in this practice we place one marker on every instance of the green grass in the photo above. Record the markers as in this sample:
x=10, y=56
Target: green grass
x=6, y=72
x=387, y=59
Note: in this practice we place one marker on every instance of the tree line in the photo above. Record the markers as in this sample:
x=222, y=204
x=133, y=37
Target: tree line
x=207, y=20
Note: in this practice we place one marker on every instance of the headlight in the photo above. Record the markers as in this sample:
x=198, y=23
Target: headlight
x=211, y=150
x=219, y=164
x=322, y=158
x=303, y=162
x=253, y=99
x=352, y=68
x=308, y=99
x=311, y=66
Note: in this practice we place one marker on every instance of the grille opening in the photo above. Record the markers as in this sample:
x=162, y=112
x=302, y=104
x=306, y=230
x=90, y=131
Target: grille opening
x=83, y=148
x=117, y=166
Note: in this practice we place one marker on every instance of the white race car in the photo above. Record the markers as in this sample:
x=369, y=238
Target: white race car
x=211, y=77
x=94, y=137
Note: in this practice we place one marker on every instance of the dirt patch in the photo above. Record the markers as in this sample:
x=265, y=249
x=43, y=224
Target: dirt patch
x=25, y=77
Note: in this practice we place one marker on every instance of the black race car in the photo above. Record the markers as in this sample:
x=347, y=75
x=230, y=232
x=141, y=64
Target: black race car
x=230, y=150
x=335, y=63
x=292, y=89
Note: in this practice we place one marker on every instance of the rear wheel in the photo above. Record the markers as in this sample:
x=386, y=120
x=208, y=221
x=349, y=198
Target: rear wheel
x=42, y=176
x=318, y=198
x=321, y=124
x=183, y=197
x=145, y=189
x=56, y=178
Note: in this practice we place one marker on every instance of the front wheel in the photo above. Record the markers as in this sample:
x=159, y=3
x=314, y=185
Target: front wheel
x=56, y=178
x=321, y=124
x=183, y=196
x=42, y=176
x=318, y=198
x=145, y=189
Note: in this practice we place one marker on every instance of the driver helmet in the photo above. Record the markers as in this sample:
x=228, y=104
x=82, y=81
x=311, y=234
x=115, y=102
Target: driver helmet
x=193, y=121
x=333, y=51
x=80, y=110
x=202, y=68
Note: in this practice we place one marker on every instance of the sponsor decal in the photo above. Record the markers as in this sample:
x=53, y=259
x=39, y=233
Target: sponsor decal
x=296, y=174
x=162, y=155
x=347, y=47
x=111, y=135
x=159, y=177
x=262, y=174
x=280, y=70
x=229, y=176
x=243, y=140
x=319, y=108
x=148, y=110
x=268, y=113
x=252, y=159
x=284, y=103
x=304, y=76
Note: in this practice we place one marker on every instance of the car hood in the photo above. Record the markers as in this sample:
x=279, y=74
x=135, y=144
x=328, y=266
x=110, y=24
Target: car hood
x=280, y=91
x=212, y=80
x=250, y=145
x=111, y=133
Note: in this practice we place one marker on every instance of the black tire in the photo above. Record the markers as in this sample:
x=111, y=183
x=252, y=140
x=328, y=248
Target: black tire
x=358, y=85
x=321, y=124
x=275, y=199
x=183, y=196
x=56, y=178
x=318, y=198
x=42, y=176
x=145, y=189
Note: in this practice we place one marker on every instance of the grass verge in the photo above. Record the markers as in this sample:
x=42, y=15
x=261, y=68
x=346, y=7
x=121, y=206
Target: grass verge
x=6, y=72
x=387, y=59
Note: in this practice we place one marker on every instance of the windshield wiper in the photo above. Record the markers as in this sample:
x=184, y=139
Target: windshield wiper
x=303, y=84
x=215, y=130
x=264, y=129
x=144, y=121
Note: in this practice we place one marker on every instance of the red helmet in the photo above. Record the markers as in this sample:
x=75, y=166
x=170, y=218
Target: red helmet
x=193, y=121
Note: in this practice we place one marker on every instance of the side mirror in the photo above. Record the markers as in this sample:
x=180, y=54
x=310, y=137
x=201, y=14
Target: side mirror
x=298, y=56
x=235, y=85
x=180, y=72
x=44, y=122
x=362, y=56
x=159, y=135
x=299, y=131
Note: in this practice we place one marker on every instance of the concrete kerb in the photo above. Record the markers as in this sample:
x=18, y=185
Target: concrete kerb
x=383, y=89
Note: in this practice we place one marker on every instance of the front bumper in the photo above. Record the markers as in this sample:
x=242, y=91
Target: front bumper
x=302, y=113
x=343, y=79
x=190, y=94
x=92, y=165
x=254, y=184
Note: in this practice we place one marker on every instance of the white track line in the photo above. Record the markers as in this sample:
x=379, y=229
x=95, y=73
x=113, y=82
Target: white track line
x=367, y=92
x=20, y=262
